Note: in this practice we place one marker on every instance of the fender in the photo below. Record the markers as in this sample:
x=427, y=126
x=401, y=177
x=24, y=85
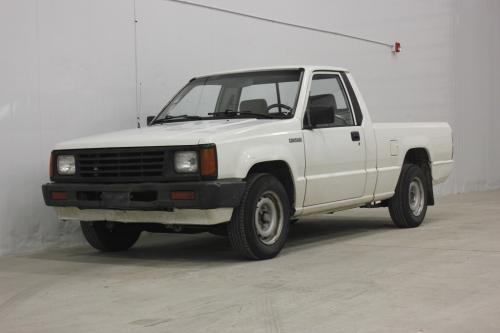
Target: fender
x=249, y=153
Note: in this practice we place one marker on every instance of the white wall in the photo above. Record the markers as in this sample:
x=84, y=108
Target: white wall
x=65, y=72
x=68, y=69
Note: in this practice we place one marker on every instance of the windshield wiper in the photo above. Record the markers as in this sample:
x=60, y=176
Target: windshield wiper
x=232, y=113
x=180, y=117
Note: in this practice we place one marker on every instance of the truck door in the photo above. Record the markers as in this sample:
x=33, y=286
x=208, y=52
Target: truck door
x=334, y=147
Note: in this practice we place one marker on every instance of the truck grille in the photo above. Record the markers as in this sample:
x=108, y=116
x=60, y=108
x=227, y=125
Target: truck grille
x=108, y=164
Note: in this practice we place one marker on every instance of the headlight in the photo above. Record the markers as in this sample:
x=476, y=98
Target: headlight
x=66, y=165
x=186, y=161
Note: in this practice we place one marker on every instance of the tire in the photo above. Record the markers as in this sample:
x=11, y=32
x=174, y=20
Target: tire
x=259, y=226
x=407, y=210
x=110, y=236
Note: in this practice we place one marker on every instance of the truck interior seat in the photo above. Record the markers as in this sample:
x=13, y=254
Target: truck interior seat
x=323, y=100
x=254, y=105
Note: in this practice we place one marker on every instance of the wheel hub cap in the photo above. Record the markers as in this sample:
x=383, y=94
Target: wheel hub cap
x=268, y=218
x=416, y=196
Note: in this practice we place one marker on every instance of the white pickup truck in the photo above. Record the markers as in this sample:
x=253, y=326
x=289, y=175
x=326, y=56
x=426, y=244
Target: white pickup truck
x=244, y=153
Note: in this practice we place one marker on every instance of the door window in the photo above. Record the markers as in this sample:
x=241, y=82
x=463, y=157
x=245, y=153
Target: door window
x=328, y=105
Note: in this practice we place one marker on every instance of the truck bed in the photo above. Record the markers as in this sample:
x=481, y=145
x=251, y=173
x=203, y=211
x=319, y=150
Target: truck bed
x=393, y=139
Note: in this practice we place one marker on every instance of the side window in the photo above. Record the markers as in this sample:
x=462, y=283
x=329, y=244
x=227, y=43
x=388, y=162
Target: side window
x=328, y=105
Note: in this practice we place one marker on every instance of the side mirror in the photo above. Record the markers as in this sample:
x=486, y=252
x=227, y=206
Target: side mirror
x=149, y=119
x=320, y=115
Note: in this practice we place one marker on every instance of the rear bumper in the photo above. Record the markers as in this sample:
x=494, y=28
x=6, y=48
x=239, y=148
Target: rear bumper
x=146, y=196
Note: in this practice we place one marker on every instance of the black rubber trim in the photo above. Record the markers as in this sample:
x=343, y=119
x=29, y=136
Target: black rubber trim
x=354, y=99
x=208, y=195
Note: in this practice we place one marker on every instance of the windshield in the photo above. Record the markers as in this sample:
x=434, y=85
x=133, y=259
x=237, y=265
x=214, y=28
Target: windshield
x=263, y=94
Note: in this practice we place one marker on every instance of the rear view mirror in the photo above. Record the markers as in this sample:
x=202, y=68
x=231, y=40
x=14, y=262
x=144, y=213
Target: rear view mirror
x=321, y=115
x=150, y=119
x=321, y=110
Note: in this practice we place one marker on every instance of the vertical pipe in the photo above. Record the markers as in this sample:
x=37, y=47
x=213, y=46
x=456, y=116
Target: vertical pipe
x=137, y=83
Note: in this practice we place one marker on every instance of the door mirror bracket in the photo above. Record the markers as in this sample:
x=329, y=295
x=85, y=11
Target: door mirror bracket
x=149, y=120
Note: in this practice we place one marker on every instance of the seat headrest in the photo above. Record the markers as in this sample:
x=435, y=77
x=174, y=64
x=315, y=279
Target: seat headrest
x=323, y=100
x=322, y=109
x=254, y=105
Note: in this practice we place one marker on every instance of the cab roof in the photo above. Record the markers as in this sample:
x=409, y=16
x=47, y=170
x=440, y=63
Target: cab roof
x=309, y=68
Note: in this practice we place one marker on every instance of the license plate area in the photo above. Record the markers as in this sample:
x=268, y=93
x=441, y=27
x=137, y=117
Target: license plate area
x=115, y=199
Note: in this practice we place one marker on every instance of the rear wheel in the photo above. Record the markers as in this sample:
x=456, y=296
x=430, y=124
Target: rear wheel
x=259, y=226
x=409, y=203
x=110, y=236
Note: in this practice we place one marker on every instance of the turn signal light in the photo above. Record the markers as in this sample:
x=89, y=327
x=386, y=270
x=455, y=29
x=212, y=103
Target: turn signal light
x=182, y=195
x=51, y=166
x=59, y=195
x=208, y=156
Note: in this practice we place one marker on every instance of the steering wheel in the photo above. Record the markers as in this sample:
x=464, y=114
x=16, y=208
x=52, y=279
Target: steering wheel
x=280, y=105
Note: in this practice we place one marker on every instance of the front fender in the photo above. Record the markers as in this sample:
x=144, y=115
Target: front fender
x=235, y=159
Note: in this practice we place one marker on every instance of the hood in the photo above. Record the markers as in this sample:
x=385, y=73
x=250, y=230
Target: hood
x=169, y=134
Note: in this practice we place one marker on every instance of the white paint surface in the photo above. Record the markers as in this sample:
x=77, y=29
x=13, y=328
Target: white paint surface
x=68, y=70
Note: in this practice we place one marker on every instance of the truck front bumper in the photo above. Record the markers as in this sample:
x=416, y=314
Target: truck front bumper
x=145, y=196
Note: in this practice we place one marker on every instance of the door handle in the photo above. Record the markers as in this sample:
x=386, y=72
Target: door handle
x=355, y=136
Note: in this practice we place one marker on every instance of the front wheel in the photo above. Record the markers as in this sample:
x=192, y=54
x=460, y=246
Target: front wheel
x=409, y=203
x=110, y=236
x=259, y=226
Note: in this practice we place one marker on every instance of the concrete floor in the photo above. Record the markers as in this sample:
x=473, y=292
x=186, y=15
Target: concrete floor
x=348, y=272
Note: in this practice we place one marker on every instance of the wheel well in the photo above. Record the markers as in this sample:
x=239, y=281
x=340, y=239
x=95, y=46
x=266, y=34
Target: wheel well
x=420, y=157
x=280, y=170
